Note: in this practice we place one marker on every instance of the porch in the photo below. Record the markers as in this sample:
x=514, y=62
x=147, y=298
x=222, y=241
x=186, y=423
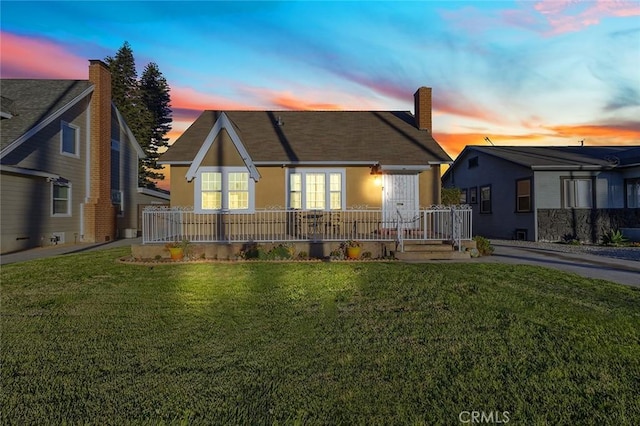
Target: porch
x=163, y=224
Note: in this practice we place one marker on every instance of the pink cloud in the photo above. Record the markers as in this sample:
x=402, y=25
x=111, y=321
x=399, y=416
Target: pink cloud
x=307, y=99
x=32, y=57
x=190, y=99
x=573, y=15
x=287, y=100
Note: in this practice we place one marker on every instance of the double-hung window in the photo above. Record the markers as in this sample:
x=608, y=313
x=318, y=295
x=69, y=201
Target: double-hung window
x=632, y=190
x=69, y=139
x=224, y=188
x=577, y=193
x=523, y=195
x=473, y=195
x=463, y=196
x=60, y=199
x=485, y=199
x=316, y=189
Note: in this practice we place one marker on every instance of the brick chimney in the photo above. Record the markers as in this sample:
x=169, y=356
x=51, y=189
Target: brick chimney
x=99, y=212
x=422, y=111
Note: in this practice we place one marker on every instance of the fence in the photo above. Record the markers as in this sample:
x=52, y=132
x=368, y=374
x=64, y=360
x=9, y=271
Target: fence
x=163, y=224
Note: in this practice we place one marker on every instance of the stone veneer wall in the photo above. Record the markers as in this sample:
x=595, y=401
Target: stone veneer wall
x=586, y=225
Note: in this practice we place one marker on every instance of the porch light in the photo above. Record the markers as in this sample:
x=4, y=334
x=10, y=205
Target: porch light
x=376, y=172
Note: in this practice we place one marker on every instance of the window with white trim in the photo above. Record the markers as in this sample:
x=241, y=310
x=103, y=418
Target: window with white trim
x=578, y=193
x=224, y=188
x=463, y=196
x=632, y=189
x=316, y=189
x=60, y=199
x=485, y=199
x=69, y=139
x=473, y=195
x=523, y=195
x=117, y=201
x=239, y=191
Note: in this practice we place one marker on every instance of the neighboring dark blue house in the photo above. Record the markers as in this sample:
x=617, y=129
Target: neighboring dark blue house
x=549, y=193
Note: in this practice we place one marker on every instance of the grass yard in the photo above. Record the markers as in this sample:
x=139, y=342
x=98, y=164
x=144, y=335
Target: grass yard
x=88, y=340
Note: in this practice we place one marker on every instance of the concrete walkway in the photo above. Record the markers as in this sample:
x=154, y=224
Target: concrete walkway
x=584, y=264
x=62, y=249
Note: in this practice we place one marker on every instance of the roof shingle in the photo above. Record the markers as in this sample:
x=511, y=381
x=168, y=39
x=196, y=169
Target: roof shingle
x=387, y=137
x=31, y=101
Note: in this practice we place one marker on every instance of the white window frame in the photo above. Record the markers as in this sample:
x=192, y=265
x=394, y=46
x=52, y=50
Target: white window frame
x=632, y=193
x=520, y=196
x=327, y=198
x=570, y=190
x=463, y=196
x=76, y=129
x=482, y=200
x=117, y=199
x=53, y=213
x=224, y=171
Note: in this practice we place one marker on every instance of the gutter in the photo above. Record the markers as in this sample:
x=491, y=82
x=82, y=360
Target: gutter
x=561, y=168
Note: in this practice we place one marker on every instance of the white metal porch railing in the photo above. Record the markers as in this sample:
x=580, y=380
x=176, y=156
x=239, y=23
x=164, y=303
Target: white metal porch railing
x=163, y=224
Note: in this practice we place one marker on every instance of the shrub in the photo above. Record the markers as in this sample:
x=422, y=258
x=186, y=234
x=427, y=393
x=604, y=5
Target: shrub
x=256, y=251
x=614, y=238
x=570, y=239
x=484, y=245
x=450, y=196
x=280, y=252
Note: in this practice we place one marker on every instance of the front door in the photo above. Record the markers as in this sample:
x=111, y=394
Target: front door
x=400, y=199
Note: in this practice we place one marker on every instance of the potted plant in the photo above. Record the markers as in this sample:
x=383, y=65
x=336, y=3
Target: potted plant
x=352, y=248
x=177, y=249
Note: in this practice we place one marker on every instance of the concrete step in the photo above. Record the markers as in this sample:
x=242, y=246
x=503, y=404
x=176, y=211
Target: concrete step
x=432, y=247
x=417, y=256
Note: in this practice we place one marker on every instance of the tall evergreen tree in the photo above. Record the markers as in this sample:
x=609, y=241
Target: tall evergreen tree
x=155, y=96
x=127, y=96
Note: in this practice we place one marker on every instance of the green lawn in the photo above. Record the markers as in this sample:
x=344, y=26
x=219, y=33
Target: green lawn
x=88, y=340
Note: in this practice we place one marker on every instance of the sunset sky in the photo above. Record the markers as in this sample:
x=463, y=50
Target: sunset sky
x=518, y=72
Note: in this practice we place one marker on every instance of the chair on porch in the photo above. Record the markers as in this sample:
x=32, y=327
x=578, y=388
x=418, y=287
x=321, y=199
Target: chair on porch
x=332, y=225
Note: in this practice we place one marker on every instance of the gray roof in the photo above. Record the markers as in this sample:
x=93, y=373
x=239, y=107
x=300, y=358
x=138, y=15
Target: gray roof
x=564, y=156
x=32, y=101
x=387, y=137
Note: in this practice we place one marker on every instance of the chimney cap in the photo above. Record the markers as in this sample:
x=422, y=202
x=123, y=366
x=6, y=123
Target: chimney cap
x=98, y=62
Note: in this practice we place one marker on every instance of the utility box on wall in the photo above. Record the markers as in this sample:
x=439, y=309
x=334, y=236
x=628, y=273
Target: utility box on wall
x=130, y=233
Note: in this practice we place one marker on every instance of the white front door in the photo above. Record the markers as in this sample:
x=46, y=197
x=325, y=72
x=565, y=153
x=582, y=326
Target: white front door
x=400, y=197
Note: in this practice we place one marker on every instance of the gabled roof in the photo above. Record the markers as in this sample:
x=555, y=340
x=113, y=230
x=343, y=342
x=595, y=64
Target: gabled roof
x=563, y=157
x=33, y=104
x=317, y=137
x=29, y=105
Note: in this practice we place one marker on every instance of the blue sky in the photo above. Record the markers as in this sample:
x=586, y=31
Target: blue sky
x=518, y=72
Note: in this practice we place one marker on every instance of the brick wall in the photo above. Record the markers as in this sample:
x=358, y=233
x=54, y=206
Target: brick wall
x=99, y=213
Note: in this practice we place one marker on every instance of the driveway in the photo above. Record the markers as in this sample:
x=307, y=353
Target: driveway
x=620, y=265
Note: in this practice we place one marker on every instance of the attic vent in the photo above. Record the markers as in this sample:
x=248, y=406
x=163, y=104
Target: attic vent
x=280, y=122
x=612, y=159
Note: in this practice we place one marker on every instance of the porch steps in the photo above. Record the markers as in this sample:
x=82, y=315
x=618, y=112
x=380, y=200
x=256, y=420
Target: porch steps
x=431, y=250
